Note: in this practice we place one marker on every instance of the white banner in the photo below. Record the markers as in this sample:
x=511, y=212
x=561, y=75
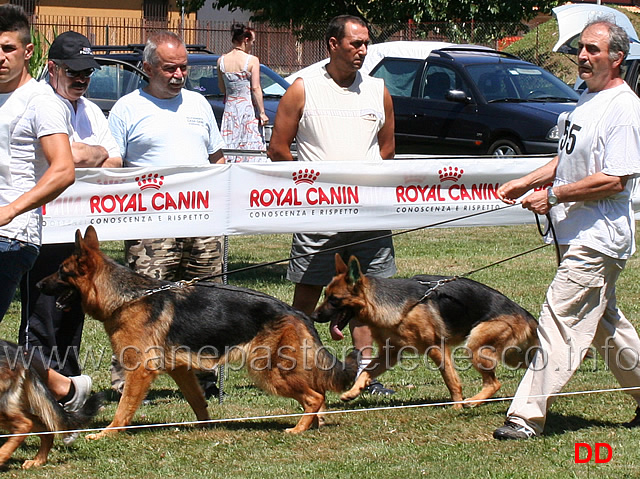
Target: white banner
x=285, y=197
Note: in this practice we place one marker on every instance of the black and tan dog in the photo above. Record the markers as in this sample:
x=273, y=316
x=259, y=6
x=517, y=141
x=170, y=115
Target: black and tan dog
x=27, y=406
x=401, y=317
x=180, y=329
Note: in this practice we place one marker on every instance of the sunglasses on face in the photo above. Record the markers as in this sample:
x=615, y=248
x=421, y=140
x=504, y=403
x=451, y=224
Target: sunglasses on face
x=77, y=73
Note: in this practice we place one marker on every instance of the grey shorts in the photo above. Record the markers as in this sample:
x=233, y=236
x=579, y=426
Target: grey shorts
x=376, y=257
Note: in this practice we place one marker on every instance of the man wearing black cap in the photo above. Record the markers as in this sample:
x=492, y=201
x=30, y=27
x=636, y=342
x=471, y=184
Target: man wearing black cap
x=55, y=335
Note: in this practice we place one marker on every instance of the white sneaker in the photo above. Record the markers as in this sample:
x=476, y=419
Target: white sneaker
x=83, y=389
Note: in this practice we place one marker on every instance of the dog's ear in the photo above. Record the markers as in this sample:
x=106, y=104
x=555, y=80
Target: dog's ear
x=341, y=266
x=79, y=241
x=91, y=238
x=355, y=273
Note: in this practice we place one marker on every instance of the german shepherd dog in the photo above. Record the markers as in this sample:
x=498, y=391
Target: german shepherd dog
x=26, y=406
x=401, y=315
x=176, y=330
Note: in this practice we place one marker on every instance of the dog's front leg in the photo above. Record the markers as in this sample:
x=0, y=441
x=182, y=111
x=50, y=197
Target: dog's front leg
x=136, y=385
x=46, y=442
x=19, y=425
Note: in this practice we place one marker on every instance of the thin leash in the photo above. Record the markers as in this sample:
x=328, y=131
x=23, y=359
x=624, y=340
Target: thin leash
x=185, y=283
x=441, y=282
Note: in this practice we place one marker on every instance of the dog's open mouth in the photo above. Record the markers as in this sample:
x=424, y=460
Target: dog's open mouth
x=337, y=324
x=66, y=298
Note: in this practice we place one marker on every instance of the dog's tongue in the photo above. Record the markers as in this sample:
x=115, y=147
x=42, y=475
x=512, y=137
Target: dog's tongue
x=336, y=334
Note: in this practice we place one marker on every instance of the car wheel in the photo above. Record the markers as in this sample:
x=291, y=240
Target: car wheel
x=504, y=147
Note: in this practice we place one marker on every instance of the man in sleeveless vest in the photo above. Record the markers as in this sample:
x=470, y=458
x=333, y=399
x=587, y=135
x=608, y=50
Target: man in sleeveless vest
x=338, y=114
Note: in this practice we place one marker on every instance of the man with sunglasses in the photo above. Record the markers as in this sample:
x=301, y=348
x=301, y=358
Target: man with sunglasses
x=52, y=334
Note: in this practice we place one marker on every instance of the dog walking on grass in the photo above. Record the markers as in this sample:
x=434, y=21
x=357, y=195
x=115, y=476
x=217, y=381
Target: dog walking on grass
x=430, y=314
x=27, y=406
x=156, y=326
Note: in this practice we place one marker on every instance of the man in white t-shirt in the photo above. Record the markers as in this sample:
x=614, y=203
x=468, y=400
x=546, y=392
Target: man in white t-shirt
x=36, y=165
x=586, y=190
x=45, y=330
x=163, y=124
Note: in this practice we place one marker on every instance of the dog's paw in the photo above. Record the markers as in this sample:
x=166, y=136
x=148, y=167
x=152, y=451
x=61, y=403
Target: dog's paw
x=32, y=463
x=100, y=435
x=350, y=395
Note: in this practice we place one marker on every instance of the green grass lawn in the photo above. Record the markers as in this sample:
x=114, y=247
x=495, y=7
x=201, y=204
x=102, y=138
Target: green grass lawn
x=418, y=437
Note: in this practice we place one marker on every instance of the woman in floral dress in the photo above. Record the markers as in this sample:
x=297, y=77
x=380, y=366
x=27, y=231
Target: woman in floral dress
x=239, y=81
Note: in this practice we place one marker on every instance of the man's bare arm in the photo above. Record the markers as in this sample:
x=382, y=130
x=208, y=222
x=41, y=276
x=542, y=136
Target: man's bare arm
x=55, y=180
x=386, y=135
x=286, y=123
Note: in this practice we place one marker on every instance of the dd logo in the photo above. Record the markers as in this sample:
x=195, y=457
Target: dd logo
x=591, y=452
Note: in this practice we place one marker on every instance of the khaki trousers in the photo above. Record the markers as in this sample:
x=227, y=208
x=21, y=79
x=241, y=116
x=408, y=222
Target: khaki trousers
x=579, y=310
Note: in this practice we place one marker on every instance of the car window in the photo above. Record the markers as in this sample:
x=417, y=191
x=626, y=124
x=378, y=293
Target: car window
x=204, y=79
x=438, y=80
x=399, y=75
x=113, y=81
x=498, y=82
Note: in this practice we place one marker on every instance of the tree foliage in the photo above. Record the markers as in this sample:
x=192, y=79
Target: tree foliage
x=190, y=6
x=299, y=12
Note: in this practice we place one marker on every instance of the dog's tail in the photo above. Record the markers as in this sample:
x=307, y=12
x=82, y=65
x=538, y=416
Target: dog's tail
x=53, y=416
x=338, y=375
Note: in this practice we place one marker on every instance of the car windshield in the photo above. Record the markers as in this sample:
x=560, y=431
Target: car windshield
x=113, y=81
x=204, y=79
x=513, y=82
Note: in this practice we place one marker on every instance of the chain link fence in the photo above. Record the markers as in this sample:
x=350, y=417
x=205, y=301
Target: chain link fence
x=284, y=49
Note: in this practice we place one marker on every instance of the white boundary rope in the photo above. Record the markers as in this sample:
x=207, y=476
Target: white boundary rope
x=323, y=413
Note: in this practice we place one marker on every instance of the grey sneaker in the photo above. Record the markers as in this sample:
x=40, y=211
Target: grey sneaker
x=70, y=438
x=511, y=430
x=376, y=387
x=83, y=389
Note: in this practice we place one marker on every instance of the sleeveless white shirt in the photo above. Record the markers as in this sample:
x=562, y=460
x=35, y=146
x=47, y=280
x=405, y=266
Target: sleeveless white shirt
x=341, y=124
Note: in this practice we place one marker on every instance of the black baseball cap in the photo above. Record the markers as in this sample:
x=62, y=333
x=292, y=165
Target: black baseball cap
x=74, y=50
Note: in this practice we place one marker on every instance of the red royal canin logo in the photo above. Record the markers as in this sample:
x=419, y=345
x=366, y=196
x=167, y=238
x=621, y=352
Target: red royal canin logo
x=313, y=195
x=305, y=176
x=440, y=192
x=152, y=180
x=450, y=173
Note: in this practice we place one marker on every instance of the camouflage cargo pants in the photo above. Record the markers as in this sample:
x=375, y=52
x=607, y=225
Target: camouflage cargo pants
x=175, y=259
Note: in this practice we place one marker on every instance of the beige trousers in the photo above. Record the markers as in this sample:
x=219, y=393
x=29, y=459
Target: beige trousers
x=579, y=310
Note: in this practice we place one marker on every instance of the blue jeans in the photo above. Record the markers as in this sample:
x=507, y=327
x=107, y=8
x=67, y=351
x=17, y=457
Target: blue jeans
x=16, y=258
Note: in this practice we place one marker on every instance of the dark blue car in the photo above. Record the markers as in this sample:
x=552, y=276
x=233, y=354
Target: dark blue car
x=474, y=100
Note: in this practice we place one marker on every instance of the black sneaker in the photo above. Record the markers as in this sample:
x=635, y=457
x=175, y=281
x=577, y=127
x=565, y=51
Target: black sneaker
x=511, y=430
x=376, y=387
x=635, y=422
x=209, y=383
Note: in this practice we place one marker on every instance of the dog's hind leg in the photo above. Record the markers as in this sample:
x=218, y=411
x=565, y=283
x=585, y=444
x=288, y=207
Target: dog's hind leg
x=188, y=384
x=449, y=374
x=485, y=360
x=46, y=442
x=312, y=402
x=19, y=425
x=136, y=385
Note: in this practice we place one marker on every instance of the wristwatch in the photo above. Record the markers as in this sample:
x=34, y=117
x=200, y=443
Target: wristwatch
x=551, y=197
